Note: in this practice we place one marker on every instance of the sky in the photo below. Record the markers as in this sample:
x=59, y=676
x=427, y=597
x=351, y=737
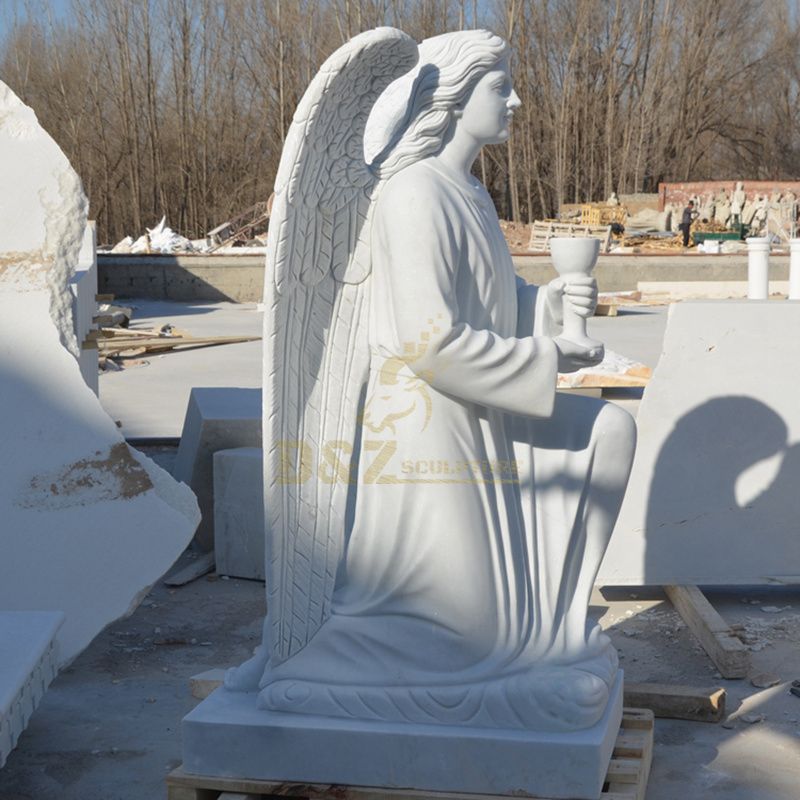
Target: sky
x=22, y=8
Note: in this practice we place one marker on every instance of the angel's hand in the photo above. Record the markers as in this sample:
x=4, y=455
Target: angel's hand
x=581, y=291
x=573, y=356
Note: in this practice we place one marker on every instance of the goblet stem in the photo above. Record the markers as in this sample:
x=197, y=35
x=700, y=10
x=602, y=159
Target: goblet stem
x=575, y=324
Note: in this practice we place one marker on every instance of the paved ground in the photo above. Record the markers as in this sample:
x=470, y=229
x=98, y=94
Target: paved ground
x=150, y=400
x=108, y=729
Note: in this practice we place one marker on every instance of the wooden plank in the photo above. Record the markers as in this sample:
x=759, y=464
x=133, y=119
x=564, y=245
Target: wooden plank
x=202, y=684
x=163, y=343
x=606, y=310
x=630, y=744
x=637, y=718
x=677, y=702
x=729, y=655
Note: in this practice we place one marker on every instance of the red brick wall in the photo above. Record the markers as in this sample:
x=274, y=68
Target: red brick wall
x=681, y=192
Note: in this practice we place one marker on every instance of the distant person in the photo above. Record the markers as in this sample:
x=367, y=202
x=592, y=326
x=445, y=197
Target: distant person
x=689, y=215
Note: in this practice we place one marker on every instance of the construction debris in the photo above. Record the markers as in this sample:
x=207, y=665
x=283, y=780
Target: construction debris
x=239, y=229
x=160, y=239
x=116, y=344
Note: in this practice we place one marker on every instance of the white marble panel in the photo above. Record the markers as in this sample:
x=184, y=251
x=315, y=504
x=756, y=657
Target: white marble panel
x=713, y=496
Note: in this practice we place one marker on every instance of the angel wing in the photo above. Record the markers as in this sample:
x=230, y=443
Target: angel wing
x=316, y=356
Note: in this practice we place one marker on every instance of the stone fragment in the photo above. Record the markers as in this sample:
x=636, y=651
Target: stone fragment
x=753, y=719
x=216, y=419
x=88, y=524
x=239, y=512
x=764, y=680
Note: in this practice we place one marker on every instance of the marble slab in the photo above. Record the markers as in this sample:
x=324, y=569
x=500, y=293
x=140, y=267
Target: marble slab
x=713, y=496
x=227, y=736
x=239, y=512
x=28, y=663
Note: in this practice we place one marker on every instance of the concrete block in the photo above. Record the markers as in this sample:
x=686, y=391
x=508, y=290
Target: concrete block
x=216, y=419
x=713, y=496
x=239, y=512
x=28, y=663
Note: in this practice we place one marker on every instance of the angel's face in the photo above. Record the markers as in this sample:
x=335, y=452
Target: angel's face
x=486, y=115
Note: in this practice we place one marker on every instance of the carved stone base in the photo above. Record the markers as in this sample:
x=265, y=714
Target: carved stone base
x=227, y=736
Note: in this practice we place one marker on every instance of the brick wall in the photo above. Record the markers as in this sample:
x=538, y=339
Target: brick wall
x=682, y=192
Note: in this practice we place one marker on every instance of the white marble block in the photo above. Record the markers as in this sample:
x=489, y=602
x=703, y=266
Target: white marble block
x=296, y=748
x=239, y=512
x=28, y=663
x=88, y=524
x=713, y=496
x=216, y=419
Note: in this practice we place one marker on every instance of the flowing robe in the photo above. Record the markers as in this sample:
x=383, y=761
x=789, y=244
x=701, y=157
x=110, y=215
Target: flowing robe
x=480, y=514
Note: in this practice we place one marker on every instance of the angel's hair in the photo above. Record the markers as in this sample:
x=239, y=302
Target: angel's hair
x=451, y=66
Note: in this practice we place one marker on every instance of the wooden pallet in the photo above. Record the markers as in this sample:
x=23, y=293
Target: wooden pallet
x=544, y=230
x=626, y=778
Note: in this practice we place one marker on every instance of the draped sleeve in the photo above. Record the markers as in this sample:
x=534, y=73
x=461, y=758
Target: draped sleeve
x=419, y=255
x=534, y=317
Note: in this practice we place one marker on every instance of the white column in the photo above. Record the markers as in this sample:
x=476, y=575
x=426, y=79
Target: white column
x=757, y=268
x=794, y=269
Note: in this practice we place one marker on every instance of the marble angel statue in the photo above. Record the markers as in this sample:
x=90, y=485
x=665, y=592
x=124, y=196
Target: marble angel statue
x=436, y=513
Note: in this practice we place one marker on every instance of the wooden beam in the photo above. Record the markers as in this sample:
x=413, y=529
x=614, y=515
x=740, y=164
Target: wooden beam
x=731, y=657
x=677, y=702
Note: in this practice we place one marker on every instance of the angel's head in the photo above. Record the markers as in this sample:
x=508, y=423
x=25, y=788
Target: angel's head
x=417, y=119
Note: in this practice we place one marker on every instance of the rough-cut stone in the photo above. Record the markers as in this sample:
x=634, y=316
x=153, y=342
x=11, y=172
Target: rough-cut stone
x=83, y=285
x=28, y=663
x=87, y=523
x=216, y=419
x=239, y=512
x=713, y=493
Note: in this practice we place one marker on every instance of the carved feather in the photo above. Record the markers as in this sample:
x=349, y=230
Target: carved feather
x=316, y=356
